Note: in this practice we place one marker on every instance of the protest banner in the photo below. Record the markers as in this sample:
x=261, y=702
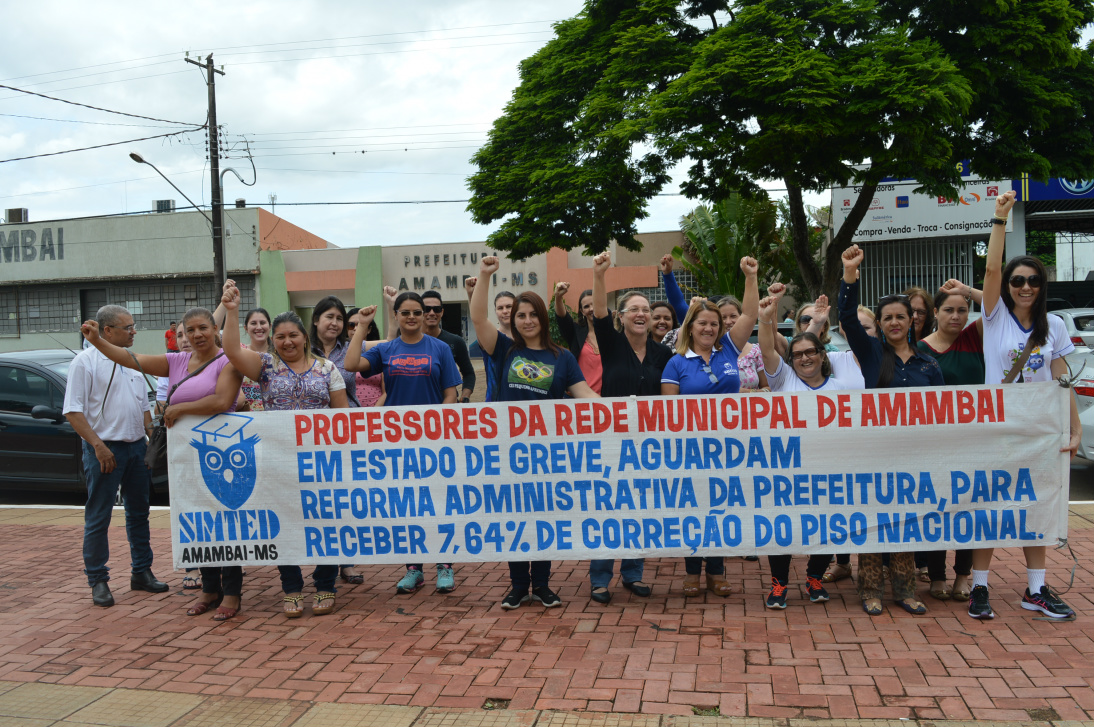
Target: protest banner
x=814, y=472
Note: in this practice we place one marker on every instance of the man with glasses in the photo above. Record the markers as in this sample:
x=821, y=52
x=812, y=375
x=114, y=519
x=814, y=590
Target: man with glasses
x=108, y=407
x=434, y=312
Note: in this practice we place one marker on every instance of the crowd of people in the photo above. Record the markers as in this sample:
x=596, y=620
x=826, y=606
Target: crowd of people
x=645, y=348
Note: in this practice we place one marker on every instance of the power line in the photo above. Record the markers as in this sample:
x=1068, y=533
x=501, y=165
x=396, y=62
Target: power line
x=106, y=83
x=369, y=128
x=100, y=146
x=78, y=121
x=374, y=151
x=98, y=108
x=359, y=171
x=366, y=45
x=379, y=53
x=89, y=186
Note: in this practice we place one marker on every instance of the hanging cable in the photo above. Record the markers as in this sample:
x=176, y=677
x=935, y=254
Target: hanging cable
x=97, y=108
x=100, y=146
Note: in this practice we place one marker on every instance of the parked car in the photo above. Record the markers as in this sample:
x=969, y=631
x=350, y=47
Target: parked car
x=1081, y=364
x=787, y=329
x=1079, y=323
x=38, y=447
x=1058, y=304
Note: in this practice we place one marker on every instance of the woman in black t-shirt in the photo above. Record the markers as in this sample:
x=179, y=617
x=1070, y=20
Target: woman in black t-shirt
x=632, y=364
x=530, y=367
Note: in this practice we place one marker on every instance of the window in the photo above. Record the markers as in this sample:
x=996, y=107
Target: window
x=22, y=390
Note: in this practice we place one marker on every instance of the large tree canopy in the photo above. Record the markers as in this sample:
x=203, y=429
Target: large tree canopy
x=803, y=91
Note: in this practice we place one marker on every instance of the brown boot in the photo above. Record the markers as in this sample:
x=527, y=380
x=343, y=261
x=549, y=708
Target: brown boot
x=691, y=585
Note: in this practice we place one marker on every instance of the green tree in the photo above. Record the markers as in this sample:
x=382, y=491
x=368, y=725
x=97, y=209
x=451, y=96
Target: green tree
x=810, y=92
x=719, y=236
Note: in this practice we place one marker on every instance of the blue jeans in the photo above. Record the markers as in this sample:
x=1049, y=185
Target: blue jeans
x=131, y=473
x=292, y=579
x=602, y=571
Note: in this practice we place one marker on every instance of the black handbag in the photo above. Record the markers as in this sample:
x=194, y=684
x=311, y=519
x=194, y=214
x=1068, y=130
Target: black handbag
x=155, y=458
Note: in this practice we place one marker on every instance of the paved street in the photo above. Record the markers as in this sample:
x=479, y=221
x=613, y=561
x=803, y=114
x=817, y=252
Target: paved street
x=430, y=652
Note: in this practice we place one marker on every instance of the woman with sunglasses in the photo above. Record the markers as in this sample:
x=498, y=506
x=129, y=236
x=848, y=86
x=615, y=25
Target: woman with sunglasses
x=531, y=367
x=1016, y=317
x=959, y=350
x=806, y=366
x=419, y=370
x=888, y=362
x=633, y=364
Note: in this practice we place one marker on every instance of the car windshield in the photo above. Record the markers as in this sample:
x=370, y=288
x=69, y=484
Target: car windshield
x=1084, y=323
x=61, y=367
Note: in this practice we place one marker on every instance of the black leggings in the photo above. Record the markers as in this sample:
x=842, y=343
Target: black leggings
x=228, y=578
x=694, y=566
x=780, y=566
x=936, y=563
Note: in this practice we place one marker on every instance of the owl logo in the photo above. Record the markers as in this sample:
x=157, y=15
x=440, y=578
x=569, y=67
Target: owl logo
x=228, y=462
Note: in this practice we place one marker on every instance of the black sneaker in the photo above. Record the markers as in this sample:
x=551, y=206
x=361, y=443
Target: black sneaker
x=777, y=597
x=516, y=597
x=817, y=592
x=1047, y=603
x=978, y=603
x=546, y=596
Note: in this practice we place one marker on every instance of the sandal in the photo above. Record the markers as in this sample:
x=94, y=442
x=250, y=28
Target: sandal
x=962, y=588
x=941, y=590
x=191, y=583
x=872, y=606
x=923, y=574
x=203, y=606
x=718, y=585
x=915, y=607
x=691, y=585
x=226, y=612
x=837, y=572
x=355, y=579
x=321, y=598
x=297, y=610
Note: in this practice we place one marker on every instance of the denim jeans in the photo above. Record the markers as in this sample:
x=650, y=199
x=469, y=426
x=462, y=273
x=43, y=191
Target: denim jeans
x=131, y=473
x=601, y=571
x=292, y=578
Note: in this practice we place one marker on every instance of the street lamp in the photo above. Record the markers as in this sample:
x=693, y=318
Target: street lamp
x=218, y=244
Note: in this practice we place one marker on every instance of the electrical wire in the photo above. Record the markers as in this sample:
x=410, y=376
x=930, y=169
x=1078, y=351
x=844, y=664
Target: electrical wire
x=79, y=121
x=97, y=108
x=90, y=186
x=99, y=146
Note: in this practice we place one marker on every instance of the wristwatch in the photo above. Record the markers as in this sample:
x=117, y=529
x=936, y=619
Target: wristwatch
x=465, y=400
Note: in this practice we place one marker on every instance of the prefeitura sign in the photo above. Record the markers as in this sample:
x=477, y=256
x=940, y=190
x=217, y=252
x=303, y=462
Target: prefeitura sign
x=898, y=213
x=861, y=471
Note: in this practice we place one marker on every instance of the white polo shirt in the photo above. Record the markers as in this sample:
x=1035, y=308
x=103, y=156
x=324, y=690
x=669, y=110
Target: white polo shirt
x=120, y=418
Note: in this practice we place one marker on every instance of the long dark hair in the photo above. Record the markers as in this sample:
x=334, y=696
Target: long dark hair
x=540, y=310
x=826, y=365
x=581, y=319
x=928, y=320
x=320, y=308
x=665, y=304
x=1039, y=312
x=290, y=317
x=258, y=311
x=888, y=355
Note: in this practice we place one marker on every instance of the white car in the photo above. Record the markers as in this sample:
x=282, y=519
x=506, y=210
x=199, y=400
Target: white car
x=1084, y=397
x=1079, y=323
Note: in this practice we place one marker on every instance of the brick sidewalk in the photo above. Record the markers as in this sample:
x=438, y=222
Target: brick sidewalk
x=654, y=656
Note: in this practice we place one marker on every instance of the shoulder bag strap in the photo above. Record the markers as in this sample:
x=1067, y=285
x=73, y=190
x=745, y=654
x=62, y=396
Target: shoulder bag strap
x=1020, y=362
x=190, y=376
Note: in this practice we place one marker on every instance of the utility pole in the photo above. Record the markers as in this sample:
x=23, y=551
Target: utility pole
x=214, y=167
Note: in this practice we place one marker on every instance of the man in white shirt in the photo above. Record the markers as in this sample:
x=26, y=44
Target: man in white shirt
x=108, y=407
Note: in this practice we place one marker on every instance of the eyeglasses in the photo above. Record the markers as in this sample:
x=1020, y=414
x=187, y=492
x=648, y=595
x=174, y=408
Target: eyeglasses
x=132, y=328
x=708, y=372
x=805, y=353
x=919, y=313
x=643, y=311
x=1018, y=281
x=434, y=308
x=415, y=313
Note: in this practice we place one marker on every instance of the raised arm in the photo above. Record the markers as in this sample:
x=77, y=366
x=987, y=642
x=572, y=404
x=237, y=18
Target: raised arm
x=601, y=263
x=562, y=316
x=391, y=326
x=997, y=242
x=769, y=309
x=750, y=304
x=673, y=293
x=485, y=332
x=781, y=344
x=820, y=316
x=153, y=365
x=246, y=361
x=860, y=341
x=354, y=360
x=956, y=287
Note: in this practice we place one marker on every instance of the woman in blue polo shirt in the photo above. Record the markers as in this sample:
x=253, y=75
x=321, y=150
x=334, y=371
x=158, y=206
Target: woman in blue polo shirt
x=705, y=363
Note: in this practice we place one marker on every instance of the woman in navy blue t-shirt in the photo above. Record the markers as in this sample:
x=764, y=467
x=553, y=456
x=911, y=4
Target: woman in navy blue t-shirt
x=530, y=367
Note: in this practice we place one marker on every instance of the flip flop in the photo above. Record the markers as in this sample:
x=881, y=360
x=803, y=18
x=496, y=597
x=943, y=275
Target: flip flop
x=941, y=590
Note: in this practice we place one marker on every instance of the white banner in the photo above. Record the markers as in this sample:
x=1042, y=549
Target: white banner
x=855, y=471
x=896, y=213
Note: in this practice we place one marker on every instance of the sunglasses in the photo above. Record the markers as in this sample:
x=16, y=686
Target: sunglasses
x=805, y=353
x=434, y=309
x=708, y=372
x=805, y=320
x=415, y=313
x=1018, y=281
x=894, y=298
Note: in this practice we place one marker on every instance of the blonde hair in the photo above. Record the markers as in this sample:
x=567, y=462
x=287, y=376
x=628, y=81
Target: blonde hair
x=622, y=306
x=683, y=341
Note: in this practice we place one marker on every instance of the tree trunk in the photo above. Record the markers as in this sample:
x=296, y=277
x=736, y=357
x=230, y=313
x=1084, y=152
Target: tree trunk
x=799, y=242
x=845, y=237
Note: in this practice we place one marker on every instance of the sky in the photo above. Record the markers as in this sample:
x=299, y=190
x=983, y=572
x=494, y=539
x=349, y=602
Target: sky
x=416, y=86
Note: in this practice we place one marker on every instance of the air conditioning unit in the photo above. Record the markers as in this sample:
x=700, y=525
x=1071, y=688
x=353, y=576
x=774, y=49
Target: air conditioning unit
x=165, y=205
x=18, y=214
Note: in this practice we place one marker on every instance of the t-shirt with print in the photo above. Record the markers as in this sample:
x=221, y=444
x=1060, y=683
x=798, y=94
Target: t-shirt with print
x=690, y=372
x=414, y=373
x=531, y=375
x=196, y=387
x=1004, y=339
x=285, y=390
x=845, y=375
x=962, y=363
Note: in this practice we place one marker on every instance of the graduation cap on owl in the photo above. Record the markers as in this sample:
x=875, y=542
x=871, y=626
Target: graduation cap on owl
x=227, y=458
